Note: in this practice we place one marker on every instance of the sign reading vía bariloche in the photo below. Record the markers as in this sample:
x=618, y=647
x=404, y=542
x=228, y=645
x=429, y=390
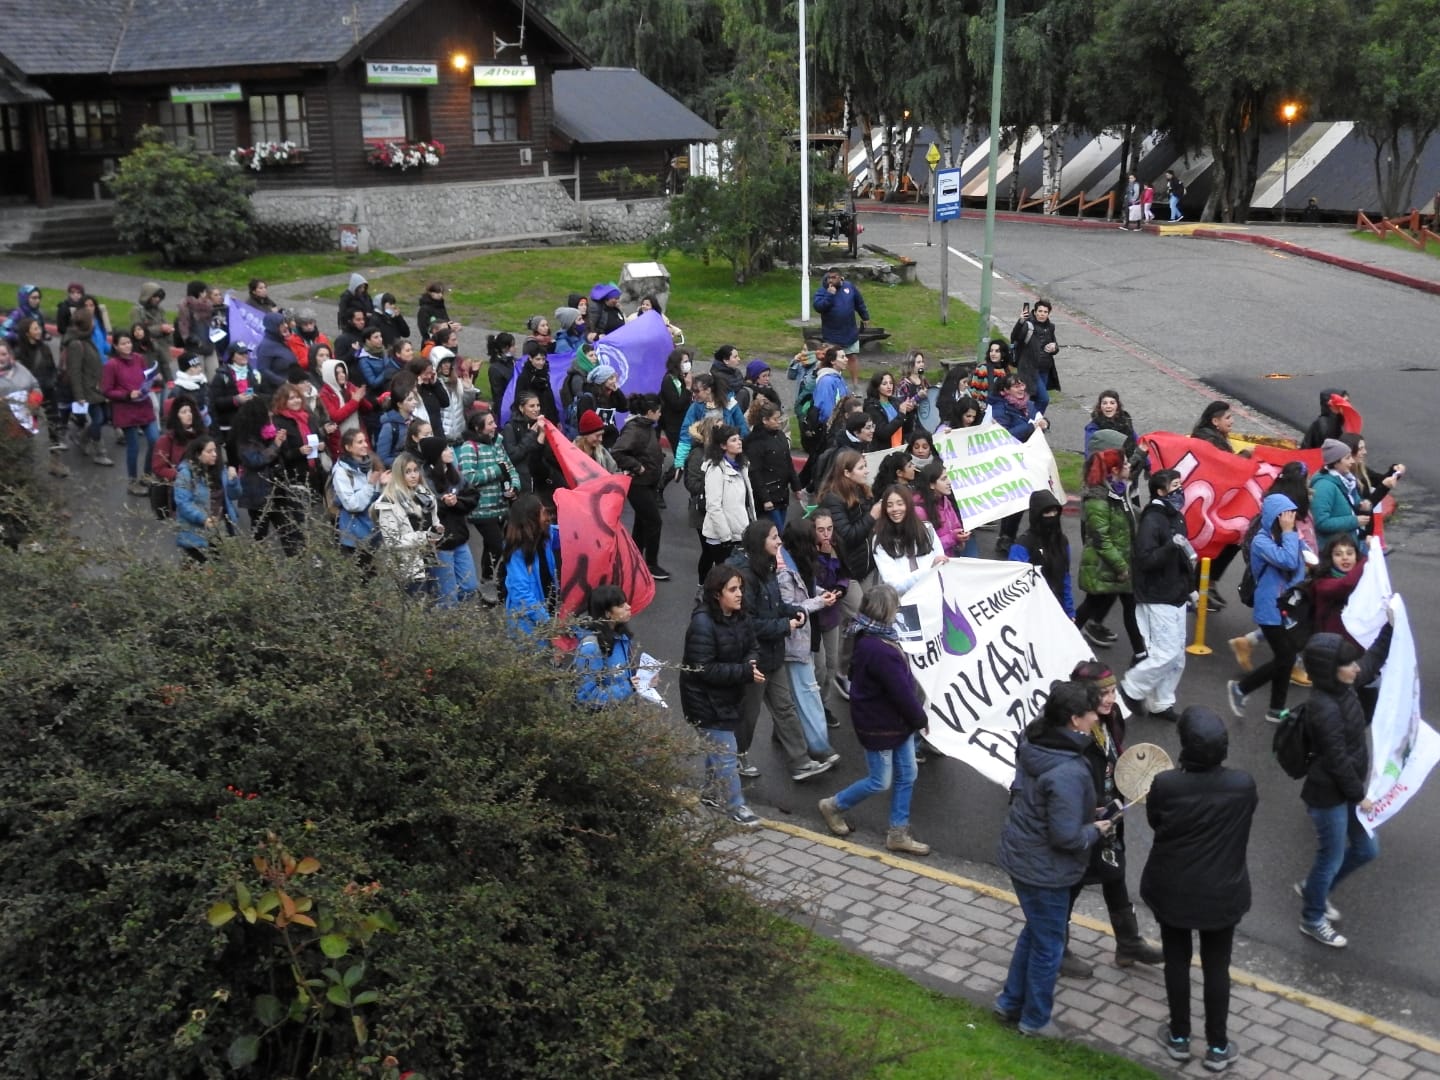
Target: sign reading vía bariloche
x=401, y=73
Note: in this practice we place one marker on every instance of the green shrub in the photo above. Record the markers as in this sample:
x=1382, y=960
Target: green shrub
x=524, y=890
x=192, y=207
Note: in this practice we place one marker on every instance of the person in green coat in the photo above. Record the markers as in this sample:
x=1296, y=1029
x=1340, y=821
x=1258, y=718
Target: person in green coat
x=1336, y=506
x=1109, y=535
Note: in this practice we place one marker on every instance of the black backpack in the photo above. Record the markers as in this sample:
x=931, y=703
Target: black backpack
x=1291, y=744
x=1247, y=580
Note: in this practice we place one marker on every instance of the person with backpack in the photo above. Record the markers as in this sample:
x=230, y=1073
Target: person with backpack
x=485, y=465
x=354, y=486
x=1277, y=560
x=1336, y=729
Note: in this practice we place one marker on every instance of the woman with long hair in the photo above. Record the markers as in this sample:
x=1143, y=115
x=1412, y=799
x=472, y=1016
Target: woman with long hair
x=205, y=493
x=1110, y=415
x=455, y=578
x=729, y=499
x=356, y=482
x=719, y=663
x=500, y=350
x=297, y=470
x=905, y=545
x=182, y=427
x=1109, y=536
x=893, y=417
x=845, y=497
x=485, y=466
x=994, y=366
x=605, y=657
x=935, y=504
x=895, y=468
x=531, y=562
x=675, y=395
x=772, y=468
x=795, y=571
x=409, y=528
x=830, y=576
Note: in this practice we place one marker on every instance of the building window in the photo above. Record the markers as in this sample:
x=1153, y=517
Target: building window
x=12, y=129
x=495, y=116
x=190, y=123
x=278, y=118
x=83, y=125
x=387, y=117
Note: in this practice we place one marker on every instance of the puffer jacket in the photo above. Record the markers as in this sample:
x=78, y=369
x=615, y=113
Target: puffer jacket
x=1276, y=565
x=84, y=365
x=1336, y=723
x=1109, y=541
x=768, y=613
x=1162, y=573
x=1051, y=828
x=772, y=469
x=729, y=502
x=854, y=528
x=1332, y=509
x=637, y=451
x=718, y=652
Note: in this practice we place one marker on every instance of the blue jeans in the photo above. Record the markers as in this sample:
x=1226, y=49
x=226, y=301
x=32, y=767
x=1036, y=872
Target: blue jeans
x=1174, y=207
x=1030, y=986
x=1040, y=393
x=1343, y=847
x=810, y=705
x=777, y=514
x=99, y=415
x=886, y=765
x=455, y=576
x=132, y=447
x=720, y=766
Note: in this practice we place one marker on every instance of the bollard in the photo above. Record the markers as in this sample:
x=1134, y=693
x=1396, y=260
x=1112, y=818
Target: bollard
x=1202, y=608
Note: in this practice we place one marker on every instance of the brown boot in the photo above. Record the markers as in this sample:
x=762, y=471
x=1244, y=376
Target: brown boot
x=901, y=840
x=1130, y=947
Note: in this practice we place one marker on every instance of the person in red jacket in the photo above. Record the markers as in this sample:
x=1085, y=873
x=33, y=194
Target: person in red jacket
x=126, y=382
x=303, y=335
x=183, y=423
x=342, y=399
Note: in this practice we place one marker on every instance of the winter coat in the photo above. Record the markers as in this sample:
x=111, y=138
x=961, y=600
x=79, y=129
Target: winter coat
x=1019, y=421
x=1109, y=541
x=837, y=314
x=537, y=380
x=257, y=469
x=376, y=371
x=350, y=301
x=1047, y=838
x=854, y=527
x=527, y=596
x=1196, y=877
x=225, y=395
x=604, y=679
x=1210, y=434
x=731, y=416
x=121, y=378
x=830, y=576
x=192, y=323
x=1331, y=593
x=84, y=364
x=192, y=506
x=729, y=502
x=487, y=468
x=169, y=451
x=1046, y=550
x=885, y=701
x=455, y=518
x=40, y=362
x=390, y=441
x=637, y=452
x=523, y=448
x=948, y=528
x=1333, y=509
x=272, y=356
x=157, y=342
x=674, y=403
x=1161, y=572
x=1120, y=422
x=393, y=328
x=1032, y=363
x=1336, y=723
x=772, y=469
x=355, y=495
x=794, y=592
x=892, y=427
x=1275, y=564
x=407, y=533
x=830, y=387
x=428, y=312
x=340, y=405
x=716, y=668
x=904, y=572
x=768, y=613
x=1328, y=425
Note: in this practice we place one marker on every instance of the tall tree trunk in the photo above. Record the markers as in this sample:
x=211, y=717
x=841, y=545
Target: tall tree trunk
x=1015, y=169
x=1235, y=143
x=887, y=156
x=908, y=151
x=970, y=135
x=1127, y=149
x=1053, y=166
x=867, y=136
x=1395, y=183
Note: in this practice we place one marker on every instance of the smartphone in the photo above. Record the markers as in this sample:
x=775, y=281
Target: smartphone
x=1024, y=309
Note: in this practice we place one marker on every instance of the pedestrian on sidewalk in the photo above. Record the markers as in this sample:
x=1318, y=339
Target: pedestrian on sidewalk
x=887, y=712
x=1147, y=202
x=1045, y=849
x=1133, y=209
x=1174, y=191
x=1196, y=878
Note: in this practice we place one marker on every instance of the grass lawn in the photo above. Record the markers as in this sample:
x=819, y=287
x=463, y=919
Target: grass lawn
x=919, y=1034
x=1431, y=247
x=505, y=288
x=119, y=308
x=268, y=268
x=1071, y=467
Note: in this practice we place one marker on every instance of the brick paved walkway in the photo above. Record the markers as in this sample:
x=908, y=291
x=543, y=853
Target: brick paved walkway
x=957, y=935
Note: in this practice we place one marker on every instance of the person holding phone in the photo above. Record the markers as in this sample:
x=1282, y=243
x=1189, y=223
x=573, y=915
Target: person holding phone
x=455, y=577
x=405, y=513
x=839, y=304
x=1032, y=341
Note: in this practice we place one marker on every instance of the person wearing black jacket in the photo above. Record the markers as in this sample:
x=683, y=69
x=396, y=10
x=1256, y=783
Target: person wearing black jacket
x=772, y=469
x=637, y=452
x=773, y=620
x=718, y=664
x=1337, y=725
x=728, y=375
x=534, y=376
x=1328, y=425
x=524, y=440
x=1163, y=574
x=675, y=395
x=1033, y=344
x=392, y=324
x=454, y=499
x=1214, y=427
x=430, y=310
x=1196, y=878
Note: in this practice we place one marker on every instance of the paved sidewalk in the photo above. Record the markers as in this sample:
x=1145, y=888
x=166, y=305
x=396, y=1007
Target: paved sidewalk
x=957, y=935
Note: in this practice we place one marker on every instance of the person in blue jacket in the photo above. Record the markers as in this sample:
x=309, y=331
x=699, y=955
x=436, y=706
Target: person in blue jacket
x=531, y=562
x=1277, y=561
x=205, y=493
x=1012, y=408
x=606, y=656
x=838, y=303
x=706, y=404
x=273, y=356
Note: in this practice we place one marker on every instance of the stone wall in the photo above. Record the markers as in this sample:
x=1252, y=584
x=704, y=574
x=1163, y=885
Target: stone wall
x=625, y=222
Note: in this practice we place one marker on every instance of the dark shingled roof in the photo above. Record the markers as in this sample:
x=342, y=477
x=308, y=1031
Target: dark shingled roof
x=619, y=105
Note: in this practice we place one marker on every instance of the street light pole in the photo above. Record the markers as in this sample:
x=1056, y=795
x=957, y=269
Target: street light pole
x=1288, y=111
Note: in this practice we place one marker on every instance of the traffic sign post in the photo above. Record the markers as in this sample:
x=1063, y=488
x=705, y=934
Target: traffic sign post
x=947, y=209
x=932, y=158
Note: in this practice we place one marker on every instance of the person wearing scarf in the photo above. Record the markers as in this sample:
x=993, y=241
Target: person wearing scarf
x=887, y=709
x=342, y=400
x=1044, y=546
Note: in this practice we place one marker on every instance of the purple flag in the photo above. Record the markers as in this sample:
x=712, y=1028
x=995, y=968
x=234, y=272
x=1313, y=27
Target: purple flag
x=247, y=322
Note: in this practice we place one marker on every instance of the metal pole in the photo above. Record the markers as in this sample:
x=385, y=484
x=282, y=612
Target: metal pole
x=804, y=181
x=945, y=273
x=987, y=261
x=1285, y=180
x=929, y=221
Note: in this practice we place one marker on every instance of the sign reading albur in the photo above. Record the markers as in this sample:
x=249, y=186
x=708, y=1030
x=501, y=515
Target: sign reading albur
x=503, y=75
x=993, y=474
x=200, y=94
x=401, y=73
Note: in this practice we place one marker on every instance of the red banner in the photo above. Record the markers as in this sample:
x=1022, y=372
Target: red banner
x=1222, y=491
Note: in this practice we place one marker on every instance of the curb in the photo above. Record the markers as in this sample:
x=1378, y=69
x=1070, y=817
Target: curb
x=1392, y=276
x=1239, y=976
x=1000, y=215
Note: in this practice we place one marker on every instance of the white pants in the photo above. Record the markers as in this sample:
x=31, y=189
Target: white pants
x=1155, y=679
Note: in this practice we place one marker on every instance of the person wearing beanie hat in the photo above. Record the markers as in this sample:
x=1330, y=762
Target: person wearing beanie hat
x=454, y=499
x=569, y=334
x=601, y=374
x=1197, y=878
x=1336, y=506
x=447, y=374
x=756, y=387
x=1335, y=786
x=604, y=314
x=591, y=440
x=1107, y=858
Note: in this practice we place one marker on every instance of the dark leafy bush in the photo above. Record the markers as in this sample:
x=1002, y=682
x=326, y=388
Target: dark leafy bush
x=526, y=893
x=192, y=207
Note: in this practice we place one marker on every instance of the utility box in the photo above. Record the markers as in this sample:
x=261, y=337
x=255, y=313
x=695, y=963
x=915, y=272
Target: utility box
x=645, y=279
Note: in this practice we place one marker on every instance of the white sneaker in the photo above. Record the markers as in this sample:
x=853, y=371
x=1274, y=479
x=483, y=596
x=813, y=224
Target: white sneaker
x=812, y=769
x=1332, y=913
x=745, y=817
x=1325, y=934
x=842, y=686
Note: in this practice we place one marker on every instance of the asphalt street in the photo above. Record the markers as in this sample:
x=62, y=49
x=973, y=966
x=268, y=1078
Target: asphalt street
x=1170, y=322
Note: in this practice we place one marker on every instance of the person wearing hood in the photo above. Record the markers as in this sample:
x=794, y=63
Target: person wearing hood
x=454, y=500
x=273, y=356
x=27, y=306
x=392, y=324
x=1329, y=424
x=604, y=314
x=355, y=298
x=1045, y=848
x=569, y=334
x=342, y=400
x=192, y=322
x=1336, y=508
x=305, y=336
x=1109, y=537
x=534, y=376
x=1013, y=409
x=234, y=383
x=1045, y=547
x=150, y=313
x=1277, y=561
x=1197, y=878
x=1337, y=726
x=461, y=394
x=1163, y=578
x=434, y=393
x=430, y=310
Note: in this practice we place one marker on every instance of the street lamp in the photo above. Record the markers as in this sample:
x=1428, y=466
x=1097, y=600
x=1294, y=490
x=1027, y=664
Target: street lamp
x=1288, y=111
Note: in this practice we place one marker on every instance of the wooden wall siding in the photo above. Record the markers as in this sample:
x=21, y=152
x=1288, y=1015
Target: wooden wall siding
x=640, y=158
x=318, y=167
